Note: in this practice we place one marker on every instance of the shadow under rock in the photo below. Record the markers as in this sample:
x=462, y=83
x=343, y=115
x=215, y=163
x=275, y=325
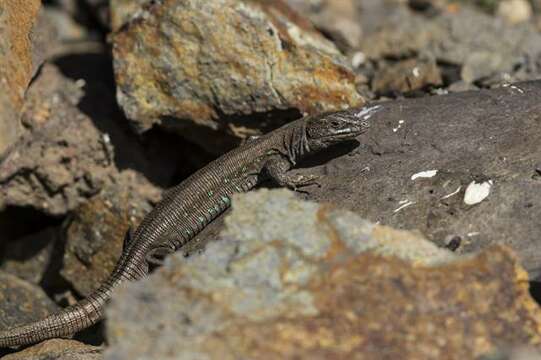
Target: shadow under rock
x=17, y=222
x=4, y=352
x=535, y=291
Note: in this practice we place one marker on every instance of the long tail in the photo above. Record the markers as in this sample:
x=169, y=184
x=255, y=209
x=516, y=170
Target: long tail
x=77, y=317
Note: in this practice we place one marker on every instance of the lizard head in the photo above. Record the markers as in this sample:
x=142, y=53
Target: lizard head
x=327, y=129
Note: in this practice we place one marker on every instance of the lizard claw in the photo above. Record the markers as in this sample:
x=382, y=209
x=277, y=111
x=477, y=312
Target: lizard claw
x=300, y=181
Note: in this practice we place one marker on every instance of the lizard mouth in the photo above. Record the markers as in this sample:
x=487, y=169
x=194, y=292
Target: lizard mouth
x=344, y=134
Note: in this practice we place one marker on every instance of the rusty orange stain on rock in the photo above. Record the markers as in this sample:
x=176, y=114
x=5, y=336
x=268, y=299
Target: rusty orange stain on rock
x=373, y=307
x=17, y=19
x=254, y=58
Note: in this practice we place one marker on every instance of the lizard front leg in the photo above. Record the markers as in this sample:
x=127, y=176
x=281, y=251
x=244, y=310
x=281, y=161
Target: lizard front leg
x=277, y=168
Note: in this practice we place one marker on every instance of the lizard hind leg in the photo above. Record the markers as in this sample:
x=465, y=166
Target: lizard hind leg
x=157, y=254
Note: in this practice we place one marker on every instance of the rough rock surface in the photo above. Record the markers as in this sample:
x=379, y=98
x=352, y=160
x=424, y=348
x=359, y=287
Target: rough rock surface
x=21, y=302
x=294, y=279
x=220, y=63
x=58, y=349
x=29, y=258
x=63, y=161
x=497, y=50
x=75, y=144
x=123, y=11
x=407, y=75
x=337, y=19
x=96, y=232
x=19, y=57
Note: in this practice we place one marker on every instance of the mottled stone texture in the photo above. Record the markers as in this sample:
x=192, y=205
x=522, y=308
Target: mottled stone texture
x=58, y=349
x=21, y=302
x=294, y=279
x=496, y=50
x=122, y=11
x=338, y=19
x=30, y=257
x=17, y=20
x=206, y=61
x=407, y=75
x=64, y=160
x=95, y=235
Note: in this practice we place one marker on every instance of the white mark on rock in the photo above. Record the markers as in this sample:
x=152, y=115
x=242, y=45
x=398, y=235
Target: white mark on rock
x=475, y=233
x=514, y=87
x=80, y=83
x=367, y=112
x=441, y=91
x=477, y=192
x=400, y=123
x=452, y=194
x=365, y=169
x=358, y=59
x=416, y=72
x=517, y=89
x=405, y=204
x=424, y=174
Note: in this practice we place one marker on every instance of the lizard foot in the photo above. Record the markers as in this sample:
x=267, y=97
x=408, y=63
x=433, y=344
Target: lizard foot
x=300, y=181
x=156, y=256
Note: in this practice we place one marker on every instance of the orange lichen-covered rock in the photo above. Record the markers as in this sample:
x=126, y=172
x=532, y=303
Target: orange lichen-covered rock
x=294, y=279
x=209, y=61
x=17, y=63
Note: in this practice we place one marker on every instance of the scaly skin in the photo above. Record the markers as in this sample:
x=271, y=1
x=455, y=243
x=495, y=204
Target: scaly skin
x=187, y=208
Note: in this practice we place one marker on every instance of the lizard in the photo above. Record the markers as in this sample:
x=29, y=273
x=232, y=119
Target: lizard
x=189, y=207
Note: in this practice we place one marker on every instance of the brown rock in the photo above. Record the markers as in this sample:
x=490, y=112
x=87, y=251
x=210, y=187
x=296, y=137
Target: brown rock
x=96, y=233
x=373, y=308
x=407, y=75
x=29, y=258
x=18, y=62
x=21, y=302
x=295, y=279
x=122, y=11
x=58, y=349
x=208, y=61
x=64, y=160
